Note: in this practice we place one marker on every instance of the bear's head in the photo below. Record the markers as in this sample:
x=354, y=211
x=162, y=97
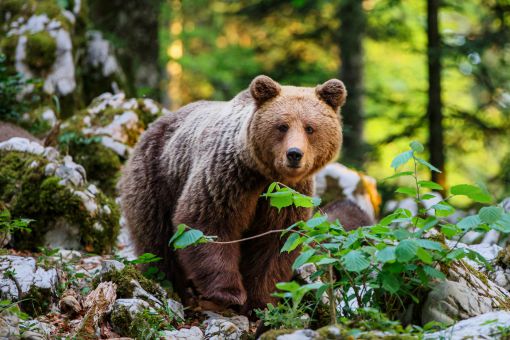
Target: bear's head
x=294, y=131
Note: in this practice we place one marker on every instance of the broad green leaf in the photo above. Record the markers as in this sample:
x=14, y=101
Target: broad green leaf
x=399, y=174
x=326, y=260
x=188, y=238
x=469, y=222
x=427, y=197
x=303, y=201
x=427, y=164
x=406, y=250
x=321, y=290
x=303, y=258
x=406, y=191
x=503, y=224
x=475, y=256
x=450, y=230
x=281, y=199
x=271, y=187
x=386, y=255
x=288, y=286
x=416, y=146
x=490, y=215
x=443, y=209
x=355, y=261
x=434, y=273
x=424, y=255
x=316, y=221
x=456, y=254
x=471, y=191
x=429, y=244
x=293, y=241
x=180, y=230
x=391, y=282
x=430, y=185
x=401, y=159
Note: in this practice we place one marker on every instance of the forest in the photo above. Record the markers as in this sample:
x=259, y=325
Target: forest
x=425, y=159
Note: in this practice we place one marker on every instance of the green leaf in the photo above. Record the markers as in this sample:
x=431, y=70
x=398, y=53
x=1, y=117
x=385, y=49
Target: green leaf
x=316, y=221
x=399, y=174
x=406, y=250
x=326, y=260
x=188, y=238
x=490, y=215
x=427, y=164
x=471, y=191
x=288, y=286
x=469, y=222
x=430, y=185
x=293, y=241
x=386, y=255
x=281, y=199
x=443, y=209
x=180, y=230
x=391, y=282
x=429, y=244
x=416, y=146
x=303, y=258
x=450, y=230
x=355, y=261
x=303, y=201
x=433, y=273
x=271, y=187
x=456, y=254
x=406, y=191
x=401, y=159
x=427, y=197
x=424, y=255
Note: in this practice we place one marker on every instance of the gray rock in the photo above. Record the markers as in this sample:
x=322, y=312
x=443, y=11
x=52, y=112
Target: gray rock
x=36, y=330
x=485, y=326
x=302, y=334
x=450, y=301
x=176, y=307
x=27, y=275
x=193, y=333
x=9, y=325
x=123, y=306
x=220, y=327
x=108, y=266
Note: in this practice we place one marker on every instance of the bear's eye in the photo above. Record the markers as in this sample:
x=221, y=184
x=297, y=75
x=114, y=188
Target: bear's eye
x=283, y=127
x=309, y=129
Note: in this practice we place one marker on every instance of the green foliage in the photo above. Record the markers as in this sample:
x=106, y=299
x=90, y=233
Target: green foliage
x=41, y=52
x=8, y=225
x=386, y=266
x=11, y=85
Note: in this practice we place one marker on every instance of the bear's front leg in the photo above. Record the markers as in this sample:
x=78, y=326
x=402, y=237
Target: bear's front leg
x=212, y=268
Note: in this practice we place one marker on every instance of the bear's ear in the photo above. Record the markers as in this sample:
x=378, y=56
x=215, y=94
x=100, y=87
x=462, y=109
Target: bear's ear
x=263, y=88
x=333, y=92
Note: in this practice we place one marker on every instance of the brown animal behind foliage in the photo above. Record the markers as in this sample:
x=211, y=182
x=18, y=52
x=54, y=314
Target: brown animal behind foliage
x=206, y=165
x=9, y=130
x=350, y=215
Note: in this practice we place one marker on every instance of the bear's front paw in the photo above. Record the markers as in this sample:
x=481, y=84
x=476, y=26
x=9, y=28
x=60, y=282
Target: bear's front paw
x=227, y=297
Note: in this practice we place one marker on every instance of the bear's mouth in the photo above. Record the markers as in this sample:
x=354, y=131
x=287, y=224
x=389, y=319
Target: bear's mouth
x=294, y=166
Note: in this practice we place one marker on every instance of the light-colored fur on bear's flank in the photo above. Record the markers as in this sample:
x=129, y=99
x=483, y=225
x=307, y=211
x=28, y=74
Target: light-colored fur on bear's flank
x=206, y=165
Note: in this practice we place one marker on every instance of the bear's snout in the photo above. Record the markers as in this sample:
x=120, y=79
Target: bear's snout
x=294, y=156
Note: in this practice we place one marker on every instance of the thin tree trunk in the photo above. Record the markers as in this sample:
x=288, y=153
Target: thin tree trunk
x=350, y=38
x=434, y=109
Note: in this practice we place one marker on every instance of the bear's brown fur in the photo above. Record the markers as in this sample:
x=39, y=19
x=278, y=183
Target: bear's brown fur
x=350, y=215
x=206, y=165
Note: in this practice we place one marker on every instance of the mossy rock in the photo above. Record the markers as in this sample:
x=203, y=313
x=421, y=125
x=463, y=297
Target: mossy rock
x=275, y=333
x=29, y=192
x=41, y=51
x=125, y=288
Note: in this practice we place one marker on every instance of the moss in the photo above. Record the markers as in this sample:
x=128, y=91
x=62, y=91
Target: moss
x=101, y=163
x=122, y=320
x=273, y=334
x=145, y=325
x=41, y=52
x=14, y=8
x=29, y=193
x=503, y=258
x=123, y=280
x=8, y=46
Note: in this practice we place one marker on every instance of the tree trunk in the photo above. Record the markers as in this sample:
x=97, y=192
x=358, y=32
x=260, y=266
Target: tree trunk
x=434, y=109
x=350, y=38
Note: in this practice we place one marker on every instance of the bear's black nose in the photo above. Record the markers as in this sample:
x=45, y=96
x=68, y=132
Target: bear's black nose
x=294, y=155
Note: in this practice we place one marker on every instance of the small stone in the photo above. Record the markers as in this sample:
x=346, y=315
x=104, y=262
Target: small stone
x=220, y=327
x=69, y=305
x=176, y=307
x=9, y=325
x=193, y=333
x=124, y=311
x=108, y=266
x=302, y=334
x=36, y=330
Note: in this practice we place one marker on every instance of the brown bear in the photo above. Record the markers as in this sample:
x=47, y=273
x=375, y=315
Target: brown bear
x=206, y=165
